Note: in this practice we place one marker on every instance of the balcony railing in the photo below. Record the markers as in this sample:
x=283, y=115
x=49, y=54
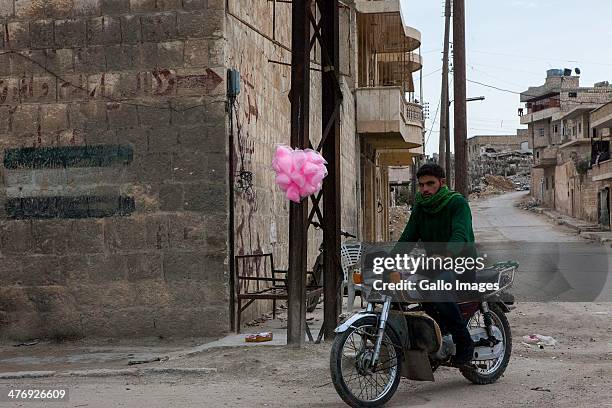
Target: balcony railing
x=385, y=111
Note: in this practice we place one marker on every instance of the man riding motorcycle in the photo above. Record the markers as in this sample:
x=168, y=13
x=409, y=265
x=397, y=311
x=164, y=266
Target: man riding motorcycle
x=441, y=215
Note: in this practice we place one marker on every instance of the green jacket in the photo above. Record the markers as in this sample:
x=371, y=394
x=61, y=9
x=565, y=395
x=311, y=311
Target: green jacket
x=452, y=225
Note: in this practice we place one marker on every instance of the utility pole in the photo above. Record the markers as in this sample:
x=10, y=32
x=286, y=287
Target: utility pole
x=330, y=107
x=460, y=108
x=298, y=212
x=444, y=128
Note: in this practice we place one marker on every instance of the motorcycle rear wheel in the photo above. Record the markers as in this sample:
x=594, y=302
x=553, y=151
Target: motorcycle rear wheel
x=391, y=358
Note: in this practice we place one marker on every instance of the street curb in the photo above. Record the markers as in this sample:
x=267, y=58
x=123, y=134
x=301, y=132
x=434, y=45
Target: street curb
x=97, y=373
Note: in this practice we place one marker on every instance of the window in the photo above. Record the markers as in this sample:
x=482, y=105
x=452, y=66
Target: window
x=541, y=132
x=556, y=129
x=573, y=95
x=537, y=155
x=547, y=183
x=579, y=128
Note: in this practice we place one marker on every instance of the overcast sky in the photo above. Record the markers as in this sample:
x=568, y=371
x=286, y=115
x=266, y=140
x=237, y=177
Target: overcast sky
x=510, y=44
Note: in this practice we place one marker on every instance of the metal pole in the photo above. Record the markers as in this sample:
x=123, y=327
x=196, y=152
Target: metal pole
x=443, y=146
x=331, y=152
x=298, y=213
x=460, y=108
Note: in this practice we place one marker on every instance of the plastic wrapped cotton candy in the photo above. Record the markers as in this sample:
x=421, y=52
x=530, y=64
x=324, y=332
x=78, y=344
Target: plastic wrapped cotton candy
x=299, y=173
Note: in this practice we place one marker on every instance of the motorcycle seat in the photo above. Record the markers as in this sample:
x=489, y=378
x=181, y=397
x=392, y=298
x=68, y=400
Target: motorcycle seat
x=488, y=275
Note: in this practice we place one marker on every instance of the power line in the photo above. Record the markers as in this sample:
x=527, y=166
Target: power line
x=429, y=74
x=433, y=122
x=524, y=93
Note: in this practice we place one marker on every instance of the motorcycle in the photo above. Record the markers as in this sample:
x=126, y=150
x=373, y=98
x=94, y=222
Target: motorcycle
x=388, y=340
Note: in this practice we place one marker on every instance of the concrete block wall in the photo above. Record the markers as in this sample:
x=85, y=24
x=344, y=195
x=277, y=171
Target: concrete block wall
x=263, y=120
x=113, y=137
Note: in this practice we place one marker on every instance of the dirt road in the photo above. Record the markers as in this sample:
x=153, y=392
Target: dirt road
x=577, y=372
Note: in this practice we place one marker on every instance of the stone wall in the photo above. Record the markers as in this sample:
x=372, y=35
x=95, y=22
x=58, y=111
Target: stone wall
x=259, y=50
x=114, y=183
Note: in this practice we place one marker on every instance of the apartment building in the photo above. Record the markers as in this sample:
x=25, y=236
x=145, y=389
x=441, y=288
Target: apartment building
x=558, y=116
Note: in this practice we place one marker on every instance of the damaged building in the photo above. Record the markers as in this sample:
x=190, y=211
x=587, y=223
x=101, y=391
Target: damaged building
x=569, y=131
x=500, y=155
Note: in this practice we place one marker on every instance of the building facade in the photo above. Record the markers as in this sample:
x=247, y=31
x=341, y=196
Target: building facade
x=115, y=129
x=499, y=155
x=561, y=134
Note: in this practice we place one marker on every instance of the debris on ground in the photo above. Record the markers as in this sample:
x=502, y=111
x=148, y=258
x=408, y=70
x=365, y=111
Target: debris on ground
x=539, y=340
x=540, y=389
x=398, y=218
x=491, y=185
x=26, y=344
x=259, y=337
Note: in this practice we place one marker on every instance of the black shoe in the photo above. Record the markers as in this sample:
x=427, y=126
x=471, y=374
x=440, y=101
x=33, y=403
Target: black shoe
x=464, y=355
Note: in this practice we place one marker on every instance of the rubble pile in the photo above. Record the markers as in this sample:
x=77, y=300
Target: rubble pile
x=398, y=218
x=492, y=185
x=499, y=182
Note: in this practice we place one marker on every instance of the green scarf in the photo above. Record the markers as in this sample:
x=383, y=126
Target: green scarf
x=436, y=202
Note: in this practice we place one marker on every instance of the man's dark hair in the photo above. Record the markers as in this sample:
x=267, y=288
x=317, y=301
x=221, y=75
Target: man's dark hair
x=431, y=169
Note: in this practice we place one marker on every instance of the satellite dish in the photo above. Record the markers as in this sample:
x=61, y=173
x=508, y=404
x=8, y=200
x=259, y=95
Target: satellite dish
x=577, y=70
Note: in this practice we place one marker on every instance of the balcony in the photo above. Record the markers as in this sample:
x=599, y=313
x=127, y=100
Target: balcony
x=548, y=158
x=547, y=113
x=387, y=119
x=602, y=171
x=381, y=21
x=602, y=117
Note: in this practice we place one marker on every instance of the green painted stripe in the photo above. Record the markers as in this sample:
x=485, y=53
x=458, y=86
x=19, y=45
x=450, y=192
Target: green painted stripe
x=69, y=207
x=68, y=156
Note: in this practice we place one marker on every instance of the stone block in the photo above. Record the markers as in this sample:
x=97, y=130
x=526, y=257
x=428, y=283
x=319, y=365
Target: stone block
x=107, y=268
x=29, y=9
x=58, y=8
x=54, y=117
x=185, y=266
x=84, y=236
x=121, y=115
x=145, y=56
x=70, y=33
x=5, y=116
x=37, y=89
x=86, y=7
x=114, y=7
x=125, y=234
x=6, y=8
x=45, y=235
x=162, y=140
x=196, y=24
x=205, y=197
x=91, y=59
x=157, y=232
x=41, y=271
x=60, y=60
x=144, y=266
x=74, y=88
x=171, y=197
x=143, y=6
x=119, y=57
x=15, y=238
x=196, y=53
x=216, y=5
x=28, y=63
x=154, y=116
x=88, y=115
x=41, y=32
x=155, y=167
x=197, y=165
x=130, y=29
x=170, y=54
x=102, y=86
x=17, y=35
x=158, y=27
x=25, y=119
x=135, y=137
x=217, y=53
x=194, y=4
x=104, y=30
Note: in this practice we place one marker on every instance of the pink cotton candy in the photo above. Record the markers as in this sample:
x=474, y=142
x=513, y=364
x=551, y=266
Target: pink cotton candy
x=298, y=172
x=293, y=193
x=283, y=181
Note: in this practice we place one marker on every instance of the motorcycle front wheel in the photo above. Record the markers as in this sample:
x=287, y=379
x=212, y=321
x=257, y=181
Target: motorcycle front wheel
x=490, y=371
x=357, y=383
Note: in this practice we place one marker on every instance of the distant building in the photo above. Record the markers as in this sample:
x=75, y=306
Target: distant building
x=559, y=115
x=500, y=155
